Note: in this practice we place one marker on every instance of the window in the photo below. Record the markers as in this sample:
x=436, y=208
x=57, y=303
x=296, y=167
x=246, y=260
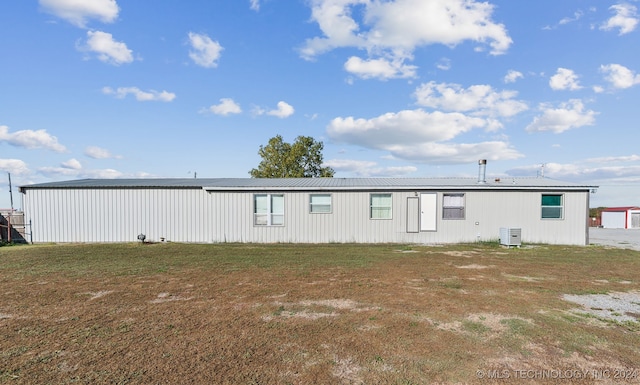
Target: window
x=453, y=206
x=552, y=206
x=320, y=203
x=380, y=206
x=268, y=210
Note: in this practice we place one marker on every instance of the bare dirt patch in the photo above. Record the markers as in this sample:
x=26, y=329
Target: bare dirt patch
x=98, y=294
x=168, y=297
x=473, y=266
x=314, y=309
x=464, y=254
x=488, y=324
x=523, y=278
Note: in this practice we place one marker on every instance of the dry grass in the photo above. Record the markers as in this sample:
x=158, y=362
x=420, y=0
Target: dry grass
x=312, y=314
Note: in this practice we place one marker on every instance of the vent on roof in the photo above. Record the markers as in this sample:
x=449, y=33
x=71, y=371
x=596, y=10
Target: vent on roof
x=482, y=171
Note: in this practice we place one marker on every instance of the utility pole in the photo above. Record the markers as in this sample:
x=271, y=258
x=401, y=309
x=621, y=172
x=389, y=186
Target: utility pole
x=10, y=192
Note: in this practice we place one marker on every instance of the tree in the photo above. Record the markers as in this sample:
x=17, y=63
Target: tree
x=302, y=159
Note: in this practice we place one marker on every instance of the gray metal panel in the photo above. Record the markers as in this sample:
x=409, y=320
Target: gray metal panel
x=231, y=184
x=94, y=215
x=196, y=215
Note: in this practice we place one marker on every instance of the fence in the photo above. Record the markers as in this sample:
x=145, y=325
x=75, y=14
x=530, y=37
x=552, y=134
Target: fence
x=12, y=227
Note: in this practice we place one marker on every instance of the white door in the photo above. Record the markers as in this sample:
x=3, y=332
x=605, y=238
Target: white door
x=413, y=217
x=428, y=211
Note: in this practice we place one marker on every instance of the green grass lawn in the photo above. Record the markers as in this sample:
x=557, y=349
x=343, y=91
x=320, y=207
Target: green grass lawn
x=301, y=314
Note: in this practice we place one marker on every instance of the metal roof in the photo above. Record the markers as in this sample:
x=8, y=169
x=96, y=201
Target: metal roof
x=619, y=209
x=283, y=184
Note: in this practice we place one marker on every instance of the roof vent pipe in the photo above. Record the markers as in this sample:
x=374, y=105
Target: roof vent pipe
x=482, y=171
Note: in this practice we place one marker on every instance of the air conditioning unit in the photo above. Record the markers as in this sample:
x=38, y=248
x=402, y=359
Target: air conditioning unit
x=510, y=236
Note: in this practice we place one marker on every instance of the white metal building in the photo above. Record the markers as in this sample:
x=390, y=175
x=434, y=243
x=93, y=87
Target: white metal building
x=621, y=218
x=307, y=210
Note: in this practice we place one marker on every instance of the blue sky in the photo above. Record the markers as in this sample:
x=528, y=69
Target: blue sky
x=404, y=88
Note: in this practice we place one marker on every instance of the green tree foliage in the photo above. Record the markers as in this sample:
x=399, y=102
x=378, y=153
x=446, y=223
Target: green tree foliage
x=596, y=212
x=302, y=159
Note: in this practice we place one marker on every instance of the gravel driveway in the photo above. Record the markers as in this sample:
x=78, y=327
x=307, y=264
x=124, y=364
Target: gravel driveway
x=623, y=238
x=616, y=306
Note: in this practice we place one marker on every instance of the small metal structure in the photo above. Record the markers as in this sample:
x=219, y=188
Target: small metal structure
x=621, y=217
x=510, y=236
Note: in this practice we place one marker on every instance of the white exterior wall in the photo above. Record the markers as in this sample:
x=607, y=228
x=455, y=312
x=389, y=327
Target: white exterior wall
x=195, y=215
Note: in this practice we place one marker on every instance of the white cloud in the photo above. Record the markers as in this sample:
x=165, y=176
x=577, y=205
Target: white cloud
x=480, y=100
x=405, y=24
x=579, y=172
x=616, y=177
x=225, y=107
x=379, y=68
x=31, y=139
x=14, y=166
x=351, y=165
x=404, y=127
x=417, y=135
x=444, y=64
x=58, y=171
x=72, y=164
x=394, y=29
x=107, y=49
x=611, y=159
x=334, y=19
x=619, y=76
x=455, y=153
x=107, y=173
x=204, y=51
x=284, y=110
x=512, y=76
x=567, y=20
x=80, y=173
x=625, y=19
x=254, y=5
x=99, y=153
x=576, y=16
x=362, y=168
x=568, y=115
x=141, y=96
x=73, y=169
x=564, y=79
x=79, y=12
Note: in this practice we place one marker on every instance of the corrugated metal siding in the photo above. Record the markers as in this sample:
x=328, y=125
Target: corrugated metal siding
x=195, y=215
x=523, y=210
x=114, y=215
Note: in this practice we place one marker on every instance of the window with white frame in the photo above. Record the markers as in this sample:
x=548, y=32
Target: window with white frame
x=452, y=206
x=320, y=203
x=380, y=206
x=268, y=209
x=552, y=206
